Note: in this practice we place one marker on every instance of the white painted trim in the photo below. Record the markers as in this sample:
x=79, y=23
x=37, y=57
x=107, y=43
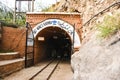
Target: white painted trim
x=56, y=23
x=64, y=13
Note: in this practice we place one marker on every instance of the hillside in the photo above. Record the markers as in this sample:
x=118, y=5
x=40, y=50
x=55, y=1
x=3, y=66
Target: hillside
x=98, y=57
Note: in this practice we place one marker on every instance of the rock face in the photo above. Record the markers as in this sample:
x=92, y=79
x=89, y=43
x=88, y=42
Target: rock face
x=87, y=8
x=98, y=60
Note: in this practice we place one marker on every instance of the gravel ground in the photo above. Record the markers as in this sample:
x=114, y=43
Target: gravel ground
x=63, y=72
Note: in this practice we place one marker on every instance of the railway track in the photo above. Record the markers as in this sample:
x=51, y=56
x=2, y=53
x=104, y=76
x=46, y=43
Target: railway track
x=46, y=72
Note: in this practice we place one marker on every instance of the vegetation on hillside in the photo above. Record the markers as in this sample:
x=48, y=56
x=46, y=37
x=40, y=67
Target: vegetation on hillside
x=49, y=9
x=6, y=17
x=5, y=51
x=109, y=26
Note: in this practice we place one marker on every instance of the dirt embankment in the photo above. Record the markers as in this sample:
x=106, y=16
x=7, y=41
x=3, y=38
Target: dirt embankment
x=97, y=59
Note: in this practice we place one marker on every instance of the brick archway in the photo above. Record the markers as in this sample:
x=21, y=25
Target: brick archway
x=56, y=22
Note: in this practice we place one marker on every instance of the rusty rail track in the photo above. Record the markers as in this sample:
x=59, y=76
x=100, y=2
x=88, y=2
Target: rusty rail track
x=50, y=74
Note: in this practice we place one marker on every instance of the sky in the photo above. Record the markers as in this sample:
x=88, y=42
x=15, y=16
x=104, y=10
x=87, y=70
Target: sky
x=39, y=4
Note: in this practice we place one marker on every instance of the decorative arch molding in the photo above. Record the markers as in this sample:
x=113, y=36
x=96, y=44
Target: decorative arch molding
x=56, y=23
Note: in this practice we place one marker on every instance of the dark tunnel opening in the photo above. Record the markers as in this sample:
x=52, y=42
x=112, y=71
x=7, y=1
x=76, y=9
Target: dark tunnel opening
x=53, y=42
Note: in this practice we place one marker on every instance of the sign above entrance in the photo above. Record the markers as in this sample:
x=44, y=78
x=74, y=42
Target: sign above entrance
x=56, y=23
x=24, y=0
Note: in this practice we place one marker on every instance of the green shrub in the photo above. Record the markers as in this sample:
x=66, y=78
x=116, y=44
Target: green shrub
x=5, y=51
x=6, y=17
x=20, y=20
x=109, y=26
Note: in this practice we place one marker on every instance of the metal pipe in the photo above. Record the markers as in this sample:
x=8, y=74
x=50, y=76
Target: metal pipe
x=73, y=39
x=32, y=5
x=33, y=43
x=73, y=36
x=26, y=45
x=28, y=26
x=14, y=19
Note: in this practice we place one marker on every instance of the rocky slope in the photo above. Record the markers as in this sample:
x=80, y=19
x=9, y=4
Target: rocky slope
x=87, y=9
x=97, y=59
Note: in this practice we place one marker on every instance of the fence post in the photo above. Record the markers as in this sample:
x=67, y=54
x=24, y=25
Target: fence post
x=0, y=31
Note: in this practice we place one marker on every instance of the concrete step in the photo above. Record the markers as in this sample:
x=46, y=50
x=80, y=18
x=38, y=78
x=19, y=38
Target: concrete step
x=9, y=66
x=9, y=56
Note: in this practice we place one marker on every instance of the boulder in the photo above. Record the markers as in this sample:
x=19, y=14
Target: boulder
x=97, y=59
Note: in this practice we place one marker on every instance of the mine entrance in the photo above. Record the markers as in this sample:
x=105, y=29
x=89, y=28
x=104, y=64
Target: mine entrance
x=53, y=42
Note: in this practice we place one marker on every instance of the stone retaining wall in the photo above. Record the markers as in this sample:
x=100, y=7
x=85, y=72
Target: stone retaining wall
x=9, y=56
x=10, y=67
x=14, y=39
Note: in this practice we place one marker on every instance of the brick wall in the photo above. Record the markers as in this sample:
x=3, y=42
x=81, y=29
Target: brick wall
x=71, y=18
x=36, y=18
x=14, y=39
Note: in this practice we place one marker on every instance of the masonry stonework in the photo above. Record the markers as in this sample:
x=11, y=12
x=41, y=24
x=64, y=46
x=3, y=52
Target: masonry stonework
x=71, y=18
x=15, y=38
x=36, y=18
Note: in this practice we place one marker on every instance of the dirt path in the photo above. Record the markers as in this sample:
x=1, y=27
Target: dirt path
x=63, y=72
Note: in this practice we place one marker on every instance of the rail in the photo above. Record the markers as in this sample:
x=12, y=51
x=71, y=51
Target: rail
x=53, y=70
x=113, y=5
x=101, y=12
x=48, y=77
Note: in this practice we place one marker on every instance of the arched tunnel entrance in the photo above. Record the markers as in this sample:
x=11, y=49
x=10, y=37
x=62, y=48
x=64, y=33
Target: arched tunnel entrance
x=53, y=42
x=54, y=38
